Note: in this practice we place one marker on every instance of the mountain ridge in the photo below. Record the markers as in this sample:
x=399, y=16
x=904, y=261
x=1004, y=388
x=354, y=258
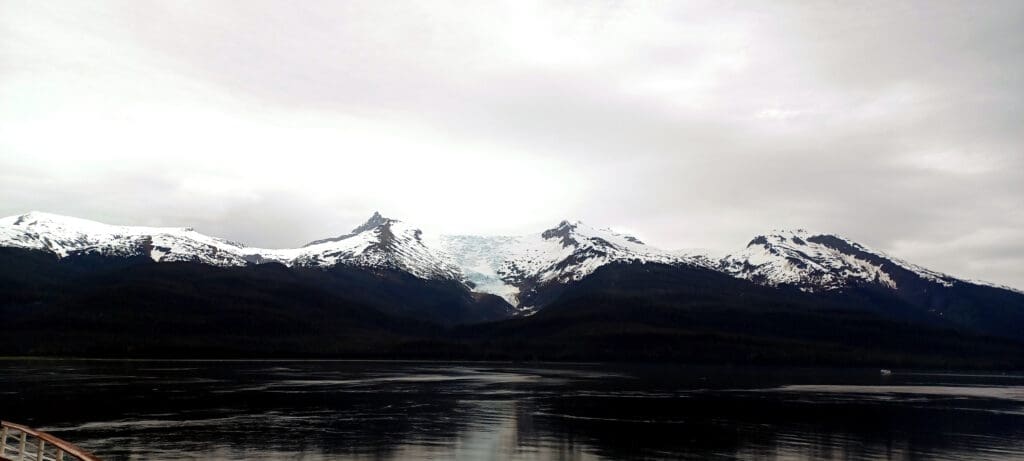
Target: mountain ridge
x=521, y=269
x=573, y=292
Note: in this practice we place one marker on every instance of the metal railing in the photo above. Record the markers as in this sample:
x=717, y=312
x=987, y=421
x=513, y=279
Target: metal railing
x=21, y=443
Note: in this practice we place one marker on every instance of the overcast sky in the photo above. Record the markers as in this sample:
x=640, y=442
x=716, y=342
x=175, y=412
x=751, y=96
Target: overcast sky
x=690, y=124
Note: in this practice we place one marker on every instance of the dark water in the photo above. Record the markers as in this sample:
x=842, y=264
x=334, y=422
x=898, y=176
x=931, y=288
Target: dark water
x=388, y=410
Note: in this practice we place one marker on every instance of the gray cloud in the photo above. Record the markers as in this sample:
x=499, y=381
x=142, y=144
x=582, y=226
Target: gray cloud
x=698, y=124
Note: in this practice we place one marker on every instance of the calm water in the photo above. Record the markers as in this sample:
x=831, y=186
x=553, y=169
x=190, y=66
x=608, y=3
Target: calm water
x=393, y=410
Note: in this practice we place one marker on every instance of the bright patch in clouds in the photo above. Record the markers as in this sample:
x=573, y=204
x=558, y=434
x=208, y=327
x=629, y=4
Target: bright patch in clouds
x=950, y=162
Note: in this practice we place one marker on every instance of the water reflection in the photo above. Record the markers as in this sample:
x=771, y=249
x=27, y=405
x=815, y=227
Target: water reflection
x=388, y=410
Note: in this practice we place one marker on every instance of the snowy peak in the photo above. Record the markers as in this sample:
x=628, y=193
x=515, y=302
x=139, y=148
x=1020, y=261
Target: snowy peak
x=815, y=261
x=66, y=236
x=514, y=266
x=578, y=235
x=376, y=221
x=573, y=250
x=563, y=232
x=378, y=243
x=381, y=243
x=571, y=233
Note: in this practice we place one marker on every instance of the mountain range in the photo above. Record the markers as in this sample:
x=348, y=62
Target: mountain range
x=391, y=285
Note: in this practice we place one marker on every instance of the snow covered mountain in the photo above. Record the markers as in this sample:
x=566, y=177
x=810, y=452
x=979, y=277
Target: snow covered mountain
x=505, y=266
x=525, y=270
x=514, y=267
x=66, y=236
x=836, y=269
x=821, y=262
x=378, y=243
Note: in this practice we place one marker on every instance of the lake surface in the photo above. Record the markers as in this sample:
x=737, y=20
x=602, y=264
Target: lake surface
x=300, y=410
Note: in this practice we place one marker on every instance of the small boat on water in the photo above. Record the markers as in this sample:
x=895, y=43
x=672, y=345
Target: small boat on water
x=22, y=443
x=885, y=372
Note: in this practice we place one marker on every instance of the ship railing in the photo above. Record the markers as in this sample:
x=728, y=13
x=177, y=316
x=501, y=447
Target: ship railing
x=22, y=443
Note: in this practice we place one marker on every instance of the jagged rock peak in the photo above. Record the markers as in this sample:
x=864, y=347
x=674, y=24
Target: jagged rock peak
x=564, y=231
x=790, y=236
x=374, y=222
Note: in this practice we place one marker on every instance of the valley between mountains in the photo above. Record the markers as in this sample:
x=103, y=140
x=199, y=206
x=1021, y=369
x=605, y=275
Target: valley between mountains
x=386, y=289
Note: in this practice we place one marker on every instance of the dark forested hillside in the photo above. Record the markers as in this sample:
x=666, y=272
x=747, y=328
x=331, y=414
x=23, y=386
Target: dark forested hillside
x=667, y=313
x=104, y=307
x=137, y=308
